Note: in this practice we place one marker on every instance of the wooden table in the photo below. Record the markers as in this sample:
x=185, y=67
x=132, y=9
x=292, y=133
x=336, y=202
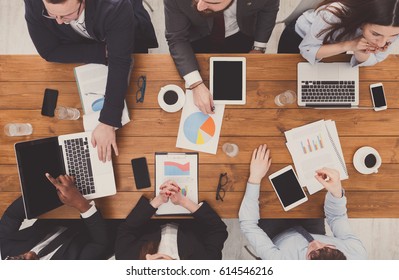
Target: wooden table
x=24, y=78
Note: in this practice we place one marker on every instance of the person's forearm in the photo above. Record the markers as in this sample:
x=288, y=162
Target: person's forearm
x=331, y=50
x=189, y=205
x=361, y=57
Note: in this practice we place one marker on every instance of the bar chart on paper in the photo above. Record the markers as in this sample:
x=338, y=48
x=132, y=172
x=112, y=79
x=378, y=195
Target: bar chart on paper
x=199, y=128
x=312, y=144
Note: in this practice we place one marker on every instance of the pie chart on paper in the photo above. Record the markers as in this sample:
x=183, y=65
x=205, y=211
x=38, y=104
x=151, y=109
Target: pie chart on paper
x=199, y=128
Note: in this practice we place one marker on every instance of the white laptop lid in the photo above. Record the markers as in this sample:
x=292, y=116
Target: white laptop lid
x=335, y=71
x=103, y=173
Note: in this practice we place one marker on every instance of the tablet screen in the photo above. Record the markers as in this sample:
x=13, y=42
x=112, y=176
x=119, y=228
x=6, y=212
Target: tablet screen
x=227, y=80
x=288, y=188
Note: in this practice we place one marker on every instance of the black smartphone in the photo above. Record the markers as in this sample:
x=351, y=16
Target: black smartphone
x=378, y=97
x=140, y=172
x=49, y=102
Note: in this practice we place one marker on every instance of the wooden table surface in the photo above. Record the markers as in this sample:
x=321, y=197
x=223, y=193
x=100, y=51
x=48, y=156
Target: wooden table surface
x=24, y=78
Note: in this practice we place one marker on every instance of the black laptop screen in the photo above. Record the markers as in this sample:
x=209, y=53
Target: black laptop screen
x=35, y=158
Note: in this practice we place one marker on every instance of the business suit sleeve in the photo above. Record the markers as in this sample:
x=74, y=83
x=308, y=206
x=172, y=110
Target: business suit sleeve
x=119, y=37
x=12, y=219
x=213, y=231
x=177, y=34
x=266, y=21
x=50, y=46
x=130, y=230
x=98, y=243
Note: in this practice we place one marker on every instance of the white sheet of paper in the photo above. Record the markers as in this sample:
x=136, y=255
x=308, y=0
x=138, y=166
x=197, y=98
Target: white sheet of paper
x=90, y=121
x=181, y=168
x=197, y=131
x=92, y=81
x=312, y=149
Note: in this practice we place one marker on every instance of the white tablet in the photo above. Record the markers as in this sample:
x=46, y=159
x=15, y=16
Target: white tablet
x=287, y=187
x=228, y=80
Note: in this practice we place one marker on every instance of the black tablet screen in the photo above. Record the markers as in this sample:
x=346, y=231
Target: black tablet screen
x=288, y=188
x=227, y=80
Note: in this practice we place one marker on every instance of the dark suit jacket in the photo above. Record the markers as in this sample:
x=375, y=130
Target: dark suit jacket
x=255, y=18
x=113, y=25
x=89, y=242
x=199, y=239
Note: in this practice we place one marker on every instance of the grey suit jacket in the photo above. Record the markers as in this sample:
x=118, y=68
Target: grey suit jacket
x=255, y=18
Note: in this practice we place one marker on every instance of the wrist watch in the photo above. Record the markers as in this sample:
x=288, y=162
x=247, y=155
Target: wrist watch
x=255, y=48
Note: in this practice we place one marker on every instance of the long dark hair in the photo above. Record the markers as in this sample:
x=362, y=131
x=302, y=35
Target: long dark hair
x=355, y=13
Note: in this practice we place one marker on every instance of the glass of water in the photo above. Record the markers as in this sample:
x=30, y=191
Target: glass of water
x=66, y=113
x=285, y=98
x=18, y=129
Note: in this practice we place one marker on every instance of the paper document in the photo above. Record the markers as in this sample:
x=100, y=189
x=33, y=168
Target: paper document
x=181, y=168
x=313, y=147
x=92, y=81
x=198, y=131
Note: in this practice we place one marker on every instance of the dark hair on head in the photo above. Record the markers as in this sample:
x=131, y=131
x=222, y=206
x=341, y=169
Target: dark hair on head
x=355, y=13
x=60, y=1
x=149, y=247
x=327, y=253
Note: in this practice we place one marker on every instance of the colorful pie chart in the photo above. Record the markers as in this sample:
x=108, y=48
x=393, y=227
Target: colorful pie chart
x=98, y=104
x=199, y=128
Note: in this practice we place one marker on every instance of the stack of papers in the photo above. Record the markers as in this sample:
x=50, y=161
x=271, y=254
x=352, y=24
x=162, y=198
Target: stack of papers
x=92, y=81
x=314, y=146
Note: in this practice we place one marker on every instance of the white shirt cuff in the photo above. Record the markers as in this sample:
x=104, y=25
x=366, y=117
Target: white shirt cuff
x=89, y=212
x=260, y=44
x=192, y=78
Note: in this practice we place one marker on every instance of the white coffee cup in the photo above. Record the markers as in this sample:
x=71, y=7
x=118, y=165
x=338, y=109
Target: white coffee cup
x=171, y=98
x=367, y=160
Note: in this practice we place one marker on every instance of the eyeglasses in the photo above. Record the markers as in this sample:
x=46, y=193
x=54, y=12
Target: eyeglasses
x=67, y=17
x=220, y=191
x=141, y=83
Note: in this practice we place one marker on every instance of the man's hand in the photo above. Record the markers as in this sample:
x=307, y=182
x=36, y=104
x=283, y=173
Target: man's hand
x=203, y=99
x=329, y=178
x=68, y=193
x=104, y=138
x=260, y=164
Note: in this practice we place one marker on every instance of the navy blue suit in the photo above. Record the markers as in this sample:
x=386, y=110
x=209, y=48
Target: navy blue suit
x=90, y=240
x=113, y=25
x=201, y=238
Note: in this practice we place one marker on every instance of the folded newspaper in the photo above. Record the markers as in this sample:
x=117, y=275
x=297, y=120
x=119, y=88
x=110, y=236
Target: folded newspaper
x=92, y=81
x=314, y=146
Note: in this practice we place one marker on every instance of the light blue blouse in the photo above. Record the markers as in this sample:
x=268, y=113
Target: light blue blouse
x=309, y=25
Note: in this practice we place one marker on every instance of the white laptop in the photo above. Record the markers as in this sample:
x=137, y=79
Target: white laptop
x=333, y=84
x=71, y=154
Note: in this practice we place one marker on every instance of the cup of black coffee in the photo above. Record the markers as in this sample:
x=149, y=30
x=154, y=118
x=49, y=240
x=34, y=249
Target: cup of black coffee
x=171, y=98
x=367, y=160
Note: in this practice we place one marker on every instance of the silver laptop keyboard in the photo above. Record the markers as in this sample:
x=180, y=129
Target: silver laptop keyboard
x=79, y=164
x=328, y=91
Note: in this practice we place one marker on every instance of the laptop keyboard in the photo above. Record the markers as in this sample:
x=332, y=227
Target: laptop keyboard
x=328, y=91
x=79, y=164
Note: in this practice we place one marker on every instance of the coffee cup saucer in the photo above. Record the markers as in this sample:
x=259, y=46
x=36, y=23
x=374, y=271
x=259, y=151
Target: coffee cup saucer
x=359, y=157
x=181, y=98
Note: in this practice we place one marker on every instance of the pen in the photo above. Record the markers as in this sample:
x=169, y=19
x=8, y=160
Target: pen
x=94, y=93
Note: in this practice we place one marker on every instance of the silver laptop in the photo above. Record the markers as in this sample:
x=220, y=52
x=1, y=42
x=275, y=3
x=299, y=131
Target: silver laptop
x=71, y=154
x=333, y=84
